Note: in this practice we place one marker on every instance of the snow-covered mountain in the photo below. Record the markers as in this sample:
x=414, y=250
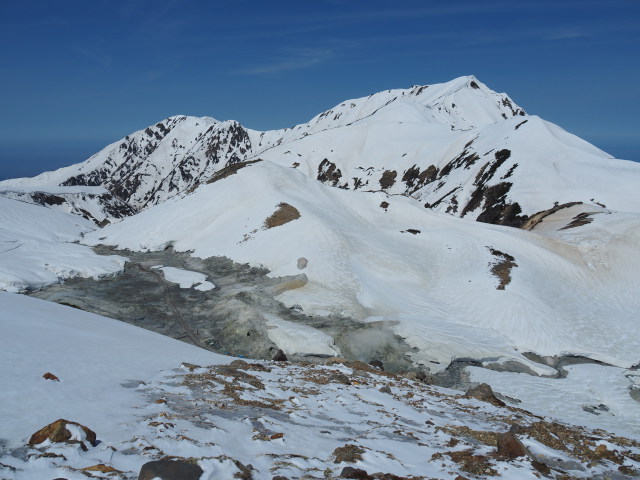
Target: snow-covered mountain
x=456, y=147
x=364, y=216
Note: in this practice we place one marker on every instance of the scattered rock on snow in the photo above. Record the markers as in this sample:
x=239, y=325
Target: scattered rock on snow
x=349, y=453
x=385, y=389
x=190, y=366
x=50, y=376
x=485, y=393
x=58, y=432
x=340, y=378
x=302, y=263
x=170, y=470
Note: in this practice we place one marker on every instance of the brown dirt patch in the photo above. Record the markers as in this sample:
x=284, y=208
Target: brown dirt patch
x=284, y=214
x=581, y=219
x=349, y=453
x=502, y=269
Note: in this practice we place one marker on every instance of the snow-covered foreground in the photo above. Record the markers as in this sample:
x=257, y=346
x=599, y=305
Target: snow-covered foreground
x=592, y=395
x=146, y=398
x=445, y=285
x=39, y=246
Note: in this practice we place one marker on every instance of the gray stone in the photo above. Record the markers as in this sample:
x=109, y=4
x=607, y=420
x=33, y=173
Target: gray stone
x=484, y=393
x=302, y=263
x=170, y=470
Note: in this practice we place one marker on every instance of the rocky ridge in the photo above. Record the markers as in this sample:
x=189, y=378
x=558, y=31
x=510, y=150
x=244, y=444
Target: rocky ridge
x=457, y=148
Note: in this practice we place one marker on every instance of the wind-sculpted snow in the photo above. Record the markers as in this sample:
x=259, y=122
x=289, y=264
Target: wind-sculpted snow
x=432, y=278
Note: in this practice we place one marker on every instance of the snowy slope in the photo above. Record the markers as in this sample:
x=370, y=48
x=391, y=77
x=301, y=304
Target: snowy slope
x=456, y=147
x=38, y=246
x=146, y=398
x=429, y=276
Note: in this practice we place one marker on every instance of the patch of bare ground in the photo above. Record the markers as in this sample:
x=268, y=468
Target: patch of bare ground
x=234, y=381
x=581, y=219
x=502, y=268
x=537, y=218
x=230, y=170
x=284, y=214
x=469, y=461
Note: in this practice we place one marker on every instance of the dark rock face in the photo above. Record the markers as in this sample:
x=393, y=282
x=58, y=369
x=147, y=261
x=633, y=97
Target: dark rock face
x=493, y=198
x=280, y=356
x=46, y=199
x=484, y=393
x=170, y=470
x=388, y=179
x=329, y=173
x=128, y=174
x=509, y=446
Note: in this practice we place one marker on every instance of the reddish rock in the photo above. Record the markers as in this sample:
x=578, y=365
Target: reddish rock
x=57, y=432
x=50, y=376
x=509, y=446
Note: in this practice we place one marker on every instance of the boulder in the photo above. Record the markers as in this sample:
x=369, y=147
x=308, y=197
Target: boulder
x=280, y=356
x=509, y=446
x=357, y=473
x=485, y=393
x=59, y=433
x=170, y=470
x=378, y=364
x=50, y=376
x=339, y=378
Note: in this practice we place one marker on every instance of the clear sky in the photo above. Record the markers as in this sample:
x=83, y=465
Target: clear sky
x=77, y=75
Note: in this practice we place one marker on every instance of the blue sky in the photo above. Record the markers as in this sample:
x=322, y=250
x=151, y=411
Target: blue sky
x=76, y=75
